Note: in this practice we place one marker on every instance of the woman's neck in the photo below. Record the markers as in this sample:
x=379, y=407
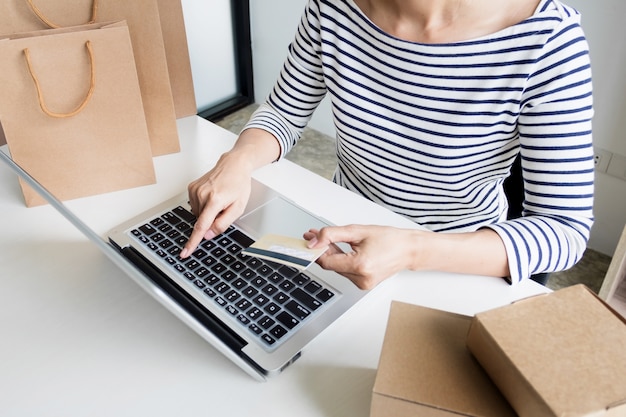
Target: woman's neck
x=442, y=21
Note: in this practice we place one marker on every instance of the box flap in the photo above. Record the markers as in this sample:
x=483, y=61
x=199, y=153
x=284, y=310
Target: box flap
x=425, y=362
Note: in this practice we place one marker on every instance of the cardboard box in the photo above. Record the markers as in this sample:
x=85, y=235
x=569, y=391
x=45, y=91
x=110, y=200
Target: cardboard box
x=561, y=354
x=426, y=370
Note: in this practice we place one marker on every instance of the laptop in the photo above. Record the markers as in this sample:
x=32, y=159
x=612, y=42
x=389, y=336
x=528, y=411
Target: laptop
x=258, y=313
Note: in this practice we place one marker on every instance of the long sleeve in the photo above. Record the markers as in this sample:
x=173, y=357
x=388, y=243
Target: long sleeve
x=557, y=159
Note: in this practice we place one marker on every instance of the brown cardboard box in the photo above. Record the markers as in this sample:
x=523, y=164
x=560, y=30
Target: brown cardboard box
x=561, y=354
x=426, y=370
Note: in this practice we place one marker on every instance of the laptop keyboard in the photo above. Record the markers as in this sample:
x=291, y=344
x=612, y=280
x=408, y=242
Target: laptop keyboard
x=268, y=299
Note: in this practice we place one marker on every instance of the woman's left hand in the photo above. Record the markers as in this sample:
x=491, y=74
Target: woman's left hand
x=378, y=252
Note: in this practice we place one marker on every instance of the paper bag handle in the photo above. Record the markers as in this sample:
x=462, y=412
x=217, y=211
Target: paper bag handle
x=42, y=104
x=50, y=24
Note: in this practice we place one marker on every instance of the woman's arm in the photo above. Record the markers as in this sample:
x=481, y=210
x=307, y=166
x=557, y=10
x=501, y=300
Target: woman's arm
x=378, y=252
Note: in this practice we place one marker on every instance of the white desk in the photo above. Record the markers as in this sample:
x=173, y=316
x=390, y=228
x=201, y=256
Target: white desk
x=79, y=338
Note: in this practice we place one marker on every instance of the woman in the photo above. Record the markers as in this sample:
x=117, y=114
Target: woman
x=432, y=101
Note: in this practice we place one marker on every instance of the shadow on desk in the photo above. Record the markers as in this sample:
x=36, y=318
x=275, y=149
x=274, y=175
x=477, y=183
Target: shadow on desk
x=339, y=391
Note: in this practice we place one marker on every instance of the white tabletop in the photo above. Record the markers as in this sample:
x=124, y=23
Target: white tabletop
x=79, y=338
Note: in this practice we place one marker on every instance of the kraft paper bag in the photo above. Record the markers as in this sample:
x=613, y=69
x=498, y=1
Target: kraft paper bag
x=71, y=111
x=155, y=69
x=177, y=54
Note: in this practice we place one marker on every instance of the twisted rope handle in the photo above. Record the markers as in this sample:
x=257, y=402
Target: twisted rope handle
x=52, y=25
x=42, y=104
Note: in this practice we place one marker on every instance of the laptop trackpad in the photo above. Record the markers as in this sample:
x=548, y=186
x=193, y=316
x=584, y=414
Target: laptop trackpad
x=279, y=216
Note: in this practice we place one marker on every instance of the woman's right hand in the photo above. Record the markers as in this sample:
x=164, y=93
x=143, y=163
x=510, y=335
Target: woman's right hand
x=219, y=197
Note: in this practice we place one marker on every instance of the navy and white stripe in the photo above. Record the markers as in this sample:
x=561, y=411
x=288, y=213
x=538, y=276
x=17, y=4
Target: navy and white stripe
x=430, y=131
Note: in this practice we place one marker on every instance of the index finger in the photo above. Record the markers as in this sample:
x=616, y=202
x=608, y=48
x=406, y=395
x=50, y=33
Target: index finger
x=202, y=229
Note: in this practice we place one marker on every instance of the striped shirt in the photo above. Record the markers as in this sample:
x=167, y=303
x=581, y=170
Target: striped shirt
x=430, y=131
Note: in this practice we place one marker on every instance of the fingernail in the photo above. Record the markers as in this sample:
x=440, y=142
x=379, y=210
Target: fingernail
x=184, y=253
x=312, y=243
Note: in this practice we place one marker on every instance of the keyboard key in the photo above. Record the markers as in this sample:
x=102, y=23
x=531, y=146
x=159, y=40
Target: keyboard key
x=264, y=270
x=270, y=290
x=278, y=331
x=237, y=266
x=165, y=243
x=300, y=279
x=306, y=299
x=255, y=329
x=229, y=275
x=268, y=339
x=192, y=264
x=207, y=244
x=234, y=248
x=232, y=296
x=281, y=297
x=271, y=308
x=147, y=229
x=184, y=214
x=254, y=313
x=243, y=304
x=254, y=262
x=258, y=282
x=239, y=283
x=287, y=320
x=248, y=273
x=243, y=319
x=325, y=295
x=222, y=287
x=209, y=261
x=266, y=322
x=184, y=228
x=287, y=271
x=173, y=234
x=260, y=300
x=227, y=259
x=250, y=292
x=166, y=228
x=157, y=237
x=287, y=285
x=211, y=280
x=275, y=277
x=312, y=287
x=297, y=310
x=199, y=253
x=240, y=238
x=171, y=218
x=201, y=272
x=157, y=222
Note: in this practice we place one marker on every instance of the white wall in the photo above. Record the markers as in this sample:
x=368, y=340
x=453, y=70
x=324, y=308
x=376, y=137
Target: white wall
x=273, y=25
x=274, y=22
x=604, y=26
